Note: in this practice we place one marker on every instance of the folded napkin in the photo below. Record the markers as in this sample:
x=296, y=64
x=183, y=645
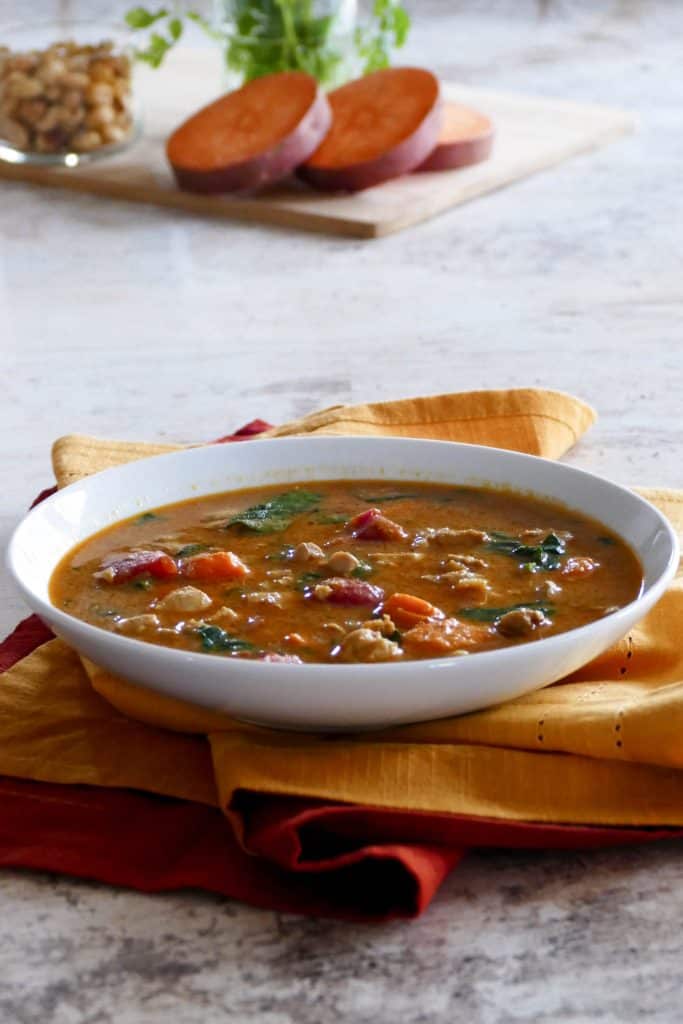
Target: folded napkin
x=357, y=826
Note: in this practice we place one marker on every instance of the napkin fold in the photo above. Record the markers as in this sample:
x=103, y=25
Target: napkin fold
x=593, y=760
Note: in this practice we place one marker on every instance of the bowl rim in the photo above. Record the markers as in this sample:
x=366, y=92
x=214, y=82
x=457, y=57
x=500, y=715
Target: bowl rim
x=645, y=598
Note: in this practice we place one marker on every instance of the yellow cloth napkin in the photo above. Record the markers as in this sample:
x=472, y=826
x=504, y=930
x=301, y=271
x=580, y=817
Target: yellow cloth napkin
x=603, y=747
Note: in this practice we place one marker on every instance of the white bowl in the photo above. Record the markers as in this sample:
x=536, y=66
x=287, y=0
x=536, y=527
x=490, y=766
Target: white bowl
x=334, y=697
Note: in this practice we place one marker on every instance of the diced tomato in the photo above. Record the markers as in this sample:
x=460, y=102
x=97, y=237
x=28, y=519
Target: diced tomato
x=436, y=637
x=214, y=565
x=374, y=525
x=406, y=610
x=119, y=568
x=341, y=590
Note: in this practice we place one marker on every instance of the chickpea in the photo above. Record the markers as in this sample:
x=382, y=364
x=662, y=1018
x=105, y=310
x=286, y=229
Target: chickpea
x=114, y=133
x=74, y=80
x=13, y=132
x=99, y=116
x=102, y=71
x=23, y=62
x=51, y=71
x=86, y=141
x=68, y=96
x=52, y=119
x=99, y=94
x=72, y=99
x=19, y=85
x=49, y=142
x=31, y=111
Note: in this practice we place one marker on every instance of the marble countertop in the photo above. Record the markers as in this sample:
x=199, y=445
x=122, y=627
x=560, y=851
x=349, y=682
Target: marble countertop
x=133, y=322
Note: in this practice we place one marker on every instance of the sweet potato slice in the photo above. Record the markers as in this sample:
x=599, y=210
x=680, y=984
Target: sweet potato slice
x=251, y=137
x=383, y=125
x=466, y=138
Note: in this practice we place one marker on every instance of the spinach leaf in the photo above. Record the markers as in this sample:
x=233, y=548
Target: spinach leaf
x=362, y=571
x=482, y=614
x=191, y=549
x=143, y=583
x=146, y=517
x=308, y=580
x=330, y=518
x=276, y=514
x=533, y=557
x=215, y=639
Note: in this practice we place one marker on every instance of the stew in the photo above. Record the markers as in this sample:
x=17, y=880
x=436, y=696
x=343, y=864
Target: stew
x=348, y=571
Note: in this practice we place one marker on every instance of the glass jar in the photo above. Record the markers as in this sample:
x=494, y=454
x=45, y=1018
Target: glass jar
x=261, y=36
x=66, y=93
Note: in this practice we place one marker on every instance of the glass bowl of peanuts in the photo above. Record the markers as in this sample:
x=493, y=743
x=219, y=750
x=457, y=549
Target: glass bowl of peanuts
x=66, y=93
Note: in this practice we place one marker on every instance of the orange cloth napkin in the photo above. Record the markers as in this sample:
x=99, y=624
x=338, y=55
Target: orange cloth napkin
x=603, y=747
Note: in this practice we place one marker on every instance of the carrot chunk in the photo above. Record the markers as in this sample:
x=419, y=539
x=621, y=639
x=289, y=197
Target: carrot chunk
x=383, y=125
x=214, y=565
x=406, y=610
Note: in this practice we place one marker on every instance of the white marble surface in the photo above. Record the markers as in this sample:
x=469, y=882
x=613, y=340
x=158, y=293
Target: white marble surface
x=133, y=322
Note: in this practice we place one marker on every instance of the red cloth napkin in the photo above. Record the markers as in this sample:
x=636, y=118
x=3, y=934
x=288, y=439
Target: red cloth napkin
x=305, y=856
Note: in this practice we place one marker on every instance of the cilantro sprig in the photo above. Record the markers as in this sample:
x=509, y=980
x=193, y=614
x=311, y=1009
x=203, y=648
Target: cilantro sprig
x=279, y=35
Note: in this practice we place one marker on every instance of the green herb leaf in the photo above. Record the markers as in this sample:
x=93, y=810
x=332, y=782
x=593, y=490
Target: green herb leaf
x=146, y=517
x=276, y=514
x=191, y=549
x=330, y=518
x=379, y=499
x=278, y=35
x=390, y=29
x=482, y=614
x=214, y=639
x=143, y=583
x=545, y=556
x=607, y=541
x=175, y=28
x=362, y=571
x=157, y=49
x=307, y=580
x=140, y=17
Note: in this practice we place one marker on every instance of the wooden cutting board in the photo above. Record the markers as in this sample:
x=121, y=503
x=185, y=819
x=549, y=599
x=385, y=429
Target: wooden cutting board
x=532, y=134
